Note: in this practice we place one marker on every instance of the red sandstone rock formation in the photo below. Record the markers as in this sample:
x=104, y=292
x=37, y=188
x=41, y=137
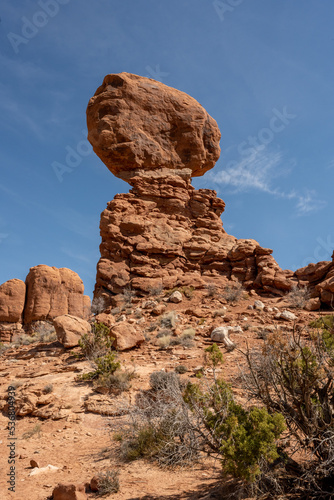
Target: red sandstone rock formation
x=48, y=292
x=52, y=292
x=164, y=232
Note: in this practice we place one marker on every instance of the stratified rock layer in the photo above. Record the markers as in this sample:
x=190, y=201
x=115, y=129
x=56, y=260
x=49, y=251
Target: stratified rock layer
x=166, y=233
x=137, y=124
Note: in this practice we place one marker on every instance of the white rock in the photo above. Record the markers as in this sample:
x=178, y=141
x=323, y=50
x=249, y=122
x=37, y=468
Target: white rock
x=288, y=316
x=220, y=334
x=176, y=297
x=258, y=305
x=48, y=468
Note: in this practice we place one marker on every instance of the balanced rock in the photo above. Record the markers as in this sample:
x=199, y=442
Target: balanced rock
x=164, y=233
x=136, y=124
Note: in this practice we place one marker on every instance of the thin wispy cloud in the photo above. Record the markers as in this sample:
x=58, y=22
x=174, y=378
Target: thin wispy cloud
x=309, y=203
x=258, y=172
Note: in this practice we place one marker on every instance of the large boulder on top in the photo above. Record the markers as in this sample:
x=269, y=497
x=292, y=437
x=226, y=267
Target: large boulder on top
x=137, y=124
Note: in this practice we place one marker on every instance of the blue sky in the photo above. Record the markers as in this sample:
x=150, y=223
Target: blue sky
x=263, y=69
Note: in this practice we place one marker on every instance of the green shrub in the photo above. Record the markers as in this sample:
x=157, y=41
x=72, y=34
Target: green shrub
x=48, y=389
x=162, y=381
x=181, y=369
x=96, y=343
x=164, y=342
x=105, y=365
x=294, y=376
x=233, y=292
x=118, y=381
x=108, y=482
x=298, y=297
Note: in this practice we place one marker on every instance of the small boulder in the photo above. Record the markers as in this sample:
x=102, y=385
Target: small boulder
x=94, y=484
x=286, y=315
x=69, y=492
x=126, y=336
x=69, y=329
x=176, y=297
x=159, y=309
x=258, y=305
x=150, y=304
x=313, y=304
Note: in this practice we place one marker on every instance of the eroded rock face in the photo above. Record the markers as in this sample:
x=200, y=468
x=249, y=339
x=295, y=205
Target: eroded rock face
x=166, y=233
x=53, y=292
x=137, y=124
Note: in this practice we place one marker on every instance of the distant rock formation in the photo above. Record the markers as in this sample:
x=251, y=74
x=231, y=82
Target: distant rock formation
x=164, y=232
x=47, y=293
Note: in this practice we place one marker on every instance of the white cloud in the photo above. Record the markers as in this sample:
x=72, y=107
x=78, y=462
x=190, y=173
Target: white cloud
x=308, y=203
x=258, y=172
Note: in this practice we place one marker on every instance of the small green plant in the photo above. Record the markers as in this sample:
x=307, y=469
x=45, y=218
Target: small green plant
x=211, y=290
x=164, y=342
x=181, y=369
x=233, y=292
x=324, y=322
x=96, y=343
x=32, y=432
x=108, y=482
x=48, y=389
x=298, y=297
x=249, y=438
x=117, y=382
x=161, y=380
x=105, y=365
x=185, y=339
x=168, y=320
